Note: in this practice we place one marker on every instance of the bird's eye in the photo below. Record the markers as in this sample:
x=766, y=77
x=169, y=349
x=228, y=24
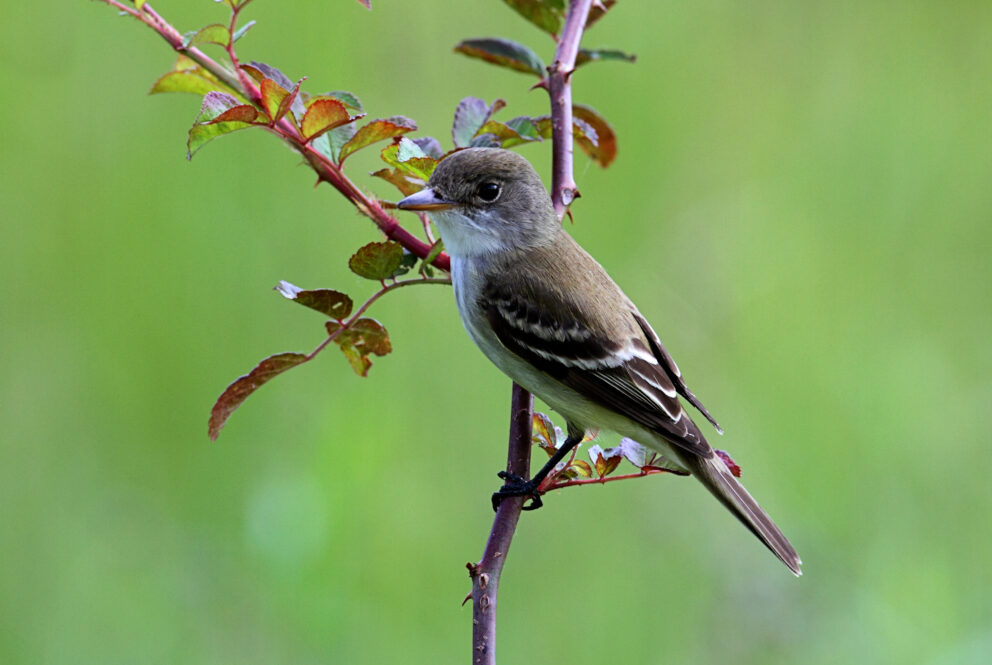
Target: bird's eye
x=488, y=191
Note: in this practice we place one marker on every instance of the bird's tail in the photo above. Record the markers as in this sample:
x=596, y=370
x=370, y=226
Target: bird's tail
x=715, y=475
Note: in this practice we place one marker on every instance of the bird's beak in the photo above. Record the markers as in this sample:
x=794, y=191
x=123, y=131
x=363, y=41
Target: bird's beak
x=425, y=199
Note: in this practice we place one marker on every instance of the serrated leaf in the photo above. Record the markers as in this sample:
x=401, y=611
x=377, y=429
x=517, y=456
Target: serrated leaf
x=603, y=150
x=375, y=131
x=503, y=52
x=241, y=113
x=485, y=141
x=329, y=302
x=277, y=100
x=211, y=34
x=471, y=114
x=347, y=98
x=187, y=76
x=323, y=115
x=203, y=130
x=405, y=183
x=506, y=135
x=548, y=15
x=337, y=138
x=595, y=55
x=408, y=158
x=406, y=263
x=376, y=260
x=240, y=32
x=361, y=339
x=238, y=392
x=597, y=12
x=525, y=128
x=261, y=71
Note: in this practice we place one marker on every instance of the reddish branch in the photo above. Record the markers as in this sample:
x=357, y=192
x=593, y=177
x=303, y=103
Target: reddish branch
x=486, y=574
x=327, y=171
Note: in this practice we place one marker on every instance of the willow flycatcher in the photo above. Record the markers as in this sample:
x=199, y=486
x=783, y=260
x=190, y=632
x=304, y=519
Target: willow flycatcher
x=547, y=314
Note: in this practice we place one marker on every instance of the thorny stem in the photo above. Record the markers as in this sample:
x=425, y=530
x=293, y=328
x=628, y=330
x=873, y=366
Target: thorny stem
x=486, y=574
x=327, y=171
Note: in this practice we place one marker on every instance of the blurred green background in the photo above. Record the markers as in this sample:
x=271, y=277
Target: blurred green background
x=801, y=205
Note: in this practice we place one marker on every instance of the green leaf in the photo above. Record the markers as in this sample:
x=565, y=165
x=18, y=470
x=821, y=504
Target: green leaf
x=187, y=76
x=240, y=113
x=507, y=136
x=471, y=114
x=595, y=55
x=406, y=263
x=240, y=32
x=548, y=15
x=376, y=260
x=215, y=104
x=525, y=128
x=436, y=250
x=603, y=150
x=332, y=303
x=505, y=53
x=322, y=115
x=605, y=461
x=347, y=98
x=409, y=158
x=375, y=131
x=211, y=34
x=238, y=392
x=337, y=138
x=261, y=71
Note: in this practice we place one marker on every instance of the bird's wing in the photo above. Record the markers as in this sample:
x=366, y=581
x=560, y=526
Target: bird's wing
x=617, y=369
x=666, y=361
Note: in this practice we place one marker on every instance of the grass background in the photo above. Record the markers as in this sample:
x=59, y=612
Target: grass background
x=801, y=206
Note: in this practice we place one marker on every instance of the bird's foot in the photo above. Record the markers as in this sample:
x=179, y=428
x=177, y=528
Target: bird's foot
x=517, y=486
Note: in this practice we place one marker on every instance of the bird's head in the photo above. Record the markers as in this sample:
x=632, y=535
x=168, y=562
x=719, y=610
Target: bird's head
x=486, y=200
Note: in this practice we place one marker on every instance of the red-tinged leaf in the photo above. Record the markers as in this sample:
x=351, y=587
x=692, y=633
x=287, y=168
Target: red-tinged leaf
x=324, y=115
x=508, y=136
x=405, y=183
x=604, y=149
x=377, y=260
x=346, y=98
x=241, y=113
x=332, y=303
x=203, y=130
x=471, y=114
x=375, y=131
x=579, y=469
x=238, y=392
x=276, y=100
x=598, y=12
x=211, y=34
x=543, y=433
x=605, y=461
x=548, y=15
x=735, y=470
x=361, y=339
x=261, y=71
x=365, y=3
x=255, y=73
x=504, y=53
x=596, y=55
x=369, y=337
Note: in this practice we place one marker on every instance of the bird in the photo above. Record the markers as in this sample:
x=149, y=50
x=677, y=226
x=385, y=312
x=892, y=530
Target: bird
x=550, y=317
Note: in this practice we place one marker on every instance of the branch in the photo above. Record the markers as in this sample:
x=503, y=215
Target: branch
x=486, y=574
x=327, y=171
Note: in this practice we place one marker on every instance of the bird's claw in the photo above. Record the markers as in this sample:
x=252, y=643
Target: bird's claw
x=517, y=486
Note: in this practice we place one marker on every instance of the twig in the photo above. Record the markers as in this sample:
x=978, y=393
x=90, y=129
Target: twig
x=327, y=170
x=486, y=574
